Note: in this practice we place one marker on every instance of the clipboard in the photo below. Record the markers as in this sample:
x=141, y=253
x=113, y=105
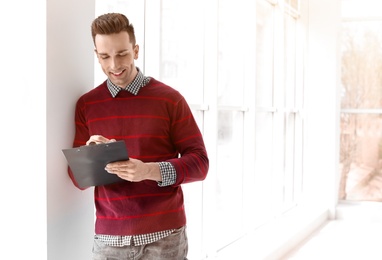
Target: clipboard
x=88, y=162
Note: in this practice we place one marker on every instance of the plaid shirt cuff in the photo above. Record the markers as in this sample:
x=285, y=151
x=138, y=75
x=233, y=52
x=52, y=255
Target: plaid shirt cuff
x=168, y=173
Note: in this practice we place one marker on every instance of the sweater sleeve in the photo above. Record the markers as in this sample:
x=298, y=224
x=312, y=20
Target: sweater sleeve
x=81, y=133
x=192, y=164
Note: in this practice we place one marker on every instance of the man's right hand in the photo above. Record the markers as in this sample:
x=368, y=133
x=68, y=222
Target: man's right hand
x=99, y=139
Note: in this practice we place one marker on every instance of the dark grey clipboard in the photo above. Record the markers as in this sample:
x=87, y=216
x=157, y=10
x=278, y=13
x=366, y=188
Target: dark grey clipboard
x=88, y=162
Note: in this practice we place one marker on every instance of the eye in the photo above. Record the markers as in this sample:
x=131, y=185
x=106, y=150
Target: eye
x=103, y=57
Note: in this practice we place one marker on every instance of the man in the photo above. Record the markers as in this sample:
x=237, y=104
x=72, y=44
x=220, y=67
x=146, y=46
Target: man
x=142, y=217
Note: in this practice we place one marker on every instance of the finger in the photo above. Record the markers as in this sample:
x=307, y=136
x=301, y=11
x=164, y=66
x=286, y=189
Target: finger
x=98, y=139
x=118, y=164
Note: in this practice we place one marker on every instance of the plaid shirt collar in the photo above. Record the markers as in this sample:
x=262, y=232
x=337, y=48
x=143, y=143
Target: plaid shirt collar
x=139, y=82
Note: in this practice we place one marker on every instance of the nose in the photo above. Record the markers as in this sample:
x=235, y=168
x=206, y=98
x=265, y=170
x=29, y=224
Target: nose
x=114, y=63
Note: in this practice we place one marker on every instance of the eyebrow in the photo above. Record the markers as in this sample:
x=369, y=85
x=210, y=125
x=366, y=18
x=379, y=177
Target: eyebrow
x=122, y=51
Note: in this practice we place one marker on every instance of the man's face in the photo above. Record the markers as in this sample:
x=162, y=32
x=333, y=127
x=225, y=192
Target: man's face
x=116, y=54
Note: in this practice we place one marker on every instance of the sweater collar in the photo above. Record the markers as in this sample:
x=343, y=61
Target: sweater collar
x=139, y=82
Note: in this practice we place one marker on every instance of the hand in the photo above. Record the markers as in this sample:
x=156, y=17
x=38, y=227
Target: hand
x=99, y=139
x=135, y=170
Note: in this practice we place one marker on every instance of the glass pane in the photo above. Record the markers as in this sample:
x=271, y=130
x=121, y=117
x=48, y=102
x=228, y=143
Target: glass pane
x=181, y=41
x=289, y=155
x=193, y=201
x=290, y=151
x=361, y=103
x=263, y=172
x=264, y=54
x=361, y=157
x=290, y=61
x=361, y=64
x=229, y=181
x=294, y=4
x=231, y=56
x=264, y=195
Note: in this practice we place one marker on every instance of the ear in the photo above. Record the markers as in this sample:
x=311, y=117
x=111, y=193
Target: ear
x=136, y=51
x=96, y=53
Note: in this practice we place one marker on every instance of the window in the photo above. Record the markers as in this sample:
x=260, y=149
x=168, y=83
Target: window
x=245, y=89
x=180, y=49
x=279, y=104
x=361, y=102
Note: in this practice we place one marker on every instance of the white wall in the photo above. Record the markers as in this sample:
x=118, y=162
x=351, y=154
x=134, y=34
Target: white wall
x=322, y=101
x=22, y=130
x=70, y=59
x=46, y=63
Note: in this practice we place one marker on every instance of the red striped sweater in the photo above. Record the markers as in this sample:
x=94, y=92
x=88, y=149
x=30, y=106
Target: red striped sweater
x=156, y=125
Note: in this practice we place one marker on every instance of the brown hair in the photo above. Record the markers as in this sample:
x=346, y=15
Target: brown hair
x=112, y=23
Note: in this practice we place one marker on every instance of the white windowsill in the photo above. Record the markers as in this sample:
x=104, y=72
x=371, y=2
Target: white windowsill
x=274, y=240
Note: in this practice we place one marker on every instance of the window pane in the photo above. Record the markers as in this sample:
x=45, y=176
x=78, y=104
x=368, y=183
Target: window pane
x=181, y=47
x=229, y=181
x=361, y=64
x=293, y=4
x=292, y=175
x=264, y=120
x=264, y=162
x=361, y=105
x=290, y=61
x=264, y=54
x=231, y=56
x=361, y=157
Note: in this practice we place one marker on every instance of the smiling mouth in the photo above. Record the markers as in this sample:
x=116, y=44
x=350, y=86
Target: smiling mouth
x=117, y=73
